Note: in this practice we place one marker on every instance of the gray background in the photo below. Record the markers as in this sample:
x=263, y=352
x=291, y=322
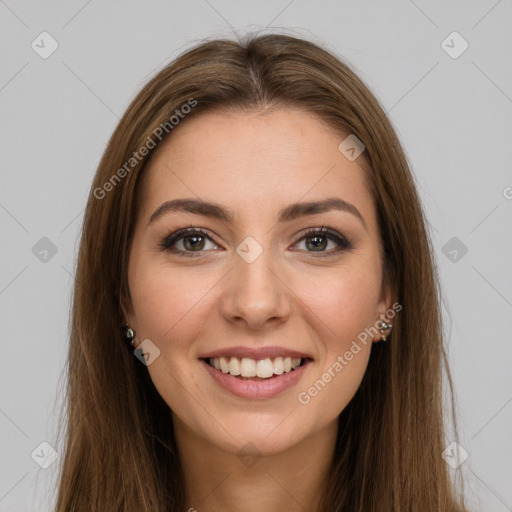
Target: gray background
x=453, y=116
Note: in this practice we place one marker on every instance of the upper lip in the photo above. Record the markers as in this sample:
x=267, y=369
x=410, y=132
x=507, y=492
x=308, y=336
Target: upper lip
x=255, y=353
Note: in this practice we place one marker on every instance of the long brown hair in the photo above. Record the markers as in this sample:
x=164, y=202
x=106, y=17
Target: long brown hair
x=120, y=452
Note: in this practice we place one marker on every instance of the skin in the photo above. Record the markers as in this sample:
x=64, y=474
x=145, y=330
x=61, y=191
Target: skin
x=255, y=164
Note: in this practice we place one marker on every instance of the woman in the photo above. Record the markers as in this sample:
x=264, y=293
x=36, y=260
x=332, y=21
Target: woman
x=256, y=321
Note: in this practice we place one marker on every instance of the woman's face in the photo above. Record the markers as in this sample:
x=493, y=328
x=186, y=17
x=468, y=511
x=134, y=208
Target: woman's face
x=253, y=286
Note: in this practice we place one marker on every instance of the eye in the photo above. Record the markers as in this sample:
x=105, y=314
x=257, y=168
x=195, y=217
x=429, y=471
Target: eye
x=187, y=241
x=317, y=240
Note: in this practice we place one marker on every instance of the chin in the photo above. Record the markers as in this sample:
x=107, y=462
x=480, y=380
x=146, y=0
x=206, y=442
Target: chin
x=265, y=433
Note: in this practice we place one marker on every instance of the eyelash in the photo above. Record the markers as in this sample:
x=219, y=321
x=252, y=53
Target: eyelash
x=171, y=239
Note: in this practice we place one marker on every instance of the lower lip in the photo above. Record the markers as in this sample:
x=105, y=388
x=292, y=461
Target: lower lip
x=256, y=388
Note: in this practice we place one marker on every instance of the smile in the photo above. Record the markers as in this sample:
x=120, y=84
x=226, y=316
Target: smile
x=256, y=379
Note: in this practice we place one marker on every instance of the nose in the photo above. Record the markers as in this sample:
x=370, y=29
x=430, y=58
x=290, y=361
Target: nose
x=255, y=295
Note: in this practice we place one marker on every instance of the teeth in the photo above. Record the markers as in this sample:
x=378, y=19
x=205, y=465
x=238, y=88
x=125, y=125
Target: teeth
x=224, y=366
x=264, y=368
x=247, y=367
x=278, y=366
x=234, y=366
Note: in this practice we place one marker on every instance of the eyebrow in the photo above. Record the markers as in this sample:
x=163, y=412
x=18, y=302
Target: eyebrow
x=287, y=214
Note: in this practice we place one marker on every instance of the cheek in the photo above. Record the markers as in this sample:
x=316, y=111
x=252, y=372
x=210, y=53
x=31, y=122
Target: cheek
x=343, y=301
x=339, y=306
x=171, y=305
x=166, y=299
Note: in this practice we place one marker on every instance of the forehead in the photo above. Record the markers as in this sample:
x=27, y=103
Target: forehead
x=249, y=160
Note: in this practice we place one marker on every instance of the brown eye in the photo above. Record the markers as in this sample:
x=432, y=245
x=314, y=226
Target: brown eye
x=186, y=242
x=317, y=240
x=193, y=242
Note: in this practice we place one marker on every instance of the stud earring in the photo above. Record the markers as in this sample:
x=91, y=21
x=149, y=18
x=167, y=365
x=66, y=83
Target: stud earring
x=129, y=335
x=384, y=327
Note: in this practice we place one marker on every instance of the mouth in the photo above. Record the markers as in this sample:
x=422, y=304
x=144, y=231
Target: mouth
x=256, y=379
x=246, y=368
x=256, y=373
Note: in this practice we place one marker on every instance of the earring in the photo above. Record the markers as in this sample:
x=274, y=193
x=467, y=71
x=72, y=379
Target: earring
x=129, y=335
x=384, y=327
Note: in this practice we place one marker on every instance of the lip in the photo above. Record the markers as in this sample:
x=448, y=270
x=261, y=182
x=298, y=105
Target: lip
x=255, y=353
x=256, y=389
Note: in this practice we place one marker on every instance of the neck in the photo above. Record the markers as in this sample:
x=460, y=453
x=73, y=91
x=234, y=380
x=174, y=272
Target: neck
x=291, y=480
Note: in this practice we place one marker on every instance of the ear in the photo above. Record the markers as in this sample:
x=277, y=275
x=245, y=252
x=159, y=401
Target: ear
x=385, y=311
x=127, y=307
